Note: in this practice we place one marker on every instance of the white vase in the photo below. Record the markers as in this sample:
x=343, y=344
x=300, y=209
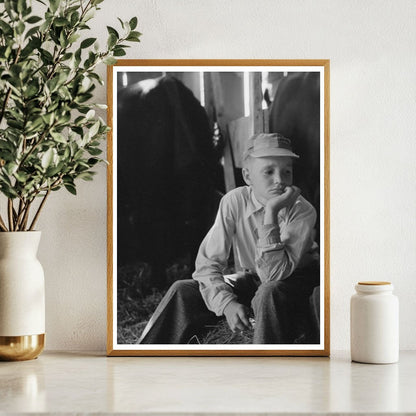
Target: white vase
x=22, y=296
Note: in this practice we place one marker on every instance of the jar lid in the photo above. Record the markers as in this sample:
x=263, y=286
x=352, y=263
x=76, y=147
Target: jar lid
x=374, y=283
x=373, y=287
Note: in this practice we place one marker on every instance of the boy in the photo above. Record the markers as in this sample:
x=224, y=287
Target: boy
x=270, y=227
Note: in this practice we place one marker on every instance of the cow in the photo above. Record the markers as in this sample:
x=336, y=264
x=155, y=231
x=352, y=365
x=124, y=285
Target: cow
x=295, y=113
x=166, y=170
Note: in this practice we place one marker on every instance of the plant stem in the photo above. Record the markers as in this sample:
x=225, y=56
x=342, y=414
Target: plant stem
x=26, y=216
x=20, y=213
x=10, y=213
x=2, y=224
x=39, y=209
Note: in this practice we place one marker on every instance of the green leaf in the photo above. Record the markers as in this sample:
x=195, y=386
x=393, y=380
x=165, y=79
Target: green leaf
x=94, y=151
x=46, y=56
x=88, y=16
x=6, y=145
x=63, y=119
x=112, y=31
x=61, y=21
x=7, y=30
x=15, y=124
x=90, y=114
x=34, y=125
x=133, y=23
x=21, y=176
x=119, y=52
x=20, y=28
x=34, y=43
x=82, y=166
x=70, y=188
x=86, y=176
x=123, y=24
x=96, y=77
x=78, y=130
x=10, y=8
x=32, y=31
x=8, y=191
x=58, y=137
x=27, y=11
x=8, y=52
x=92, y=161
x=87, y=42
x=82, y=98
x=74, y=18
x=112, y=41
x=21, y=6
x=94, y=129
x=47, y=158
x=54, y=4
x=63, y=41
x=52, y=171
x=78, y=154
x=33, y=19
x=48, y=118
x=73, y=38
x=110, y=61
x=11, y=168
x=67, y=153
x=30, y=90
x=52, y=85
x=133, y=38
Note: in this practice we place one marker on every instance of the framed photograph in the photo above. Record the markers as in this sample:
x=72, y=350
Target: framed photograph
x=218, y=208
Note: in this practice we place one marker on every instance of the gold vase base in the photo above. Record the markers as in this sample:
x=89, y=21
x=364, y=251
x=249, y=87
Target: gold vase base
x=21, y=348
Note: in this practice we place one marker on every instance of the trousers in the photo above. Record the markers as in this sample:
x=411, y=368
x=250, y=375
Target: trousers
x=281, y=310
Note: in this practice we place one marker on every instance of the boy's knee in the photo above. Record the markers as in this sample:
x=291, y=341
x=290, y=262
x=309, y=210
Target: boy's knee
x=178, y=285
x=272, y=290
x=184, y=287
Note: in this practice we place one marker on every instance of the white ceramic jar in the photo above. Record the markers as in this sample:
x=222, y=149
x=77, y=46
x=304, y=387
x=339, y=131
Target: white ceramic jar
x=374, y=323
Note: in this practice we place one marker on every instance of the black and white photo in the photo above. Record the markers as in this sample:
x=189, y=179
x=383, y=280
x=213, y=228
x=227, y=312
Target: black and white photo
x=218, y=219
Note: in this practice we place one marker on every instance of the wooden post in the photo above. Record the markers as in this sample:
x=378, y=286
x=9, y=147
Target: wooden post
x=256, y=100
x=218, y=99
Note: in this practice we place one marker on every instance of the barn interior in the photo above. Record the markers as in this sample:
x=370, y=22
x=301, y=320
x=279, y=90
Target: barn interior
x=158, y=246
x=236, y=104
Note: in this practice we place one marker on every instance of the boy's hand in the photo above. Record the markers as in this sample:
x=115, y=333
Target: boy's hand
x=237, y=316
x=286, y=199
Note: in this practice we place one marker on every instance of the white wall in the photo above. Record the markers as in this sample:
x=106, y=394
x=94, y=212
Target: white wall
x=373, y=146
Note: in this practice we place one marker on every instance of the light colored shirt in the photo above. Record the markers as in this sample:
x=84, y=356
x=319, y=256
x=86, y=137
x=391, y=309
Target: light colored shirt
x=257, y=247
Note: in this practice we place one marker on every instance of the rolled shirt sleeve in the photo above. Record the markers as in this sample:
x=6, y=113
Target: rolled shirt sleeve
x=212, y=260
x=281, y=247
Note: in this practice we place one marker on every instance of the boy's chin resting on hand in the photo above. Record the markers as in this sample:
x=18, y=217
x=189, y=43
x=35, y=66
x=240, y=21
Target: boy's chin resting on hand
x=286, y=199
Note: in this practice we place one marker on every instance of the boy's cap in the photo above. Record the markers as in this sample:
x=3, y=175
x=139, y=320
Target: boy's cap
x=268, y=144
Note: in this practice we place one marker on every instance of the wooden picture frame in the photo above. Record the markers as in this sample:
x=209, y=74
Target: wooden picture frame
x=233, y=94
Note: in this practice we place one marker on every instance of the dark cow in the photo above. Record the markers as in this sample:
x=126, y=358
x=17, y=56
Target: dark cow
x=295, y=113
x=166, y=161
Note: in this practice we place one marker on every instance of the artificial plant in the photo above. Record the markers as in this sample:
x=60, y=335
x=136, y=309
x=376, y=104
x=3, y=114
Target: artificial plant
x=50, y=134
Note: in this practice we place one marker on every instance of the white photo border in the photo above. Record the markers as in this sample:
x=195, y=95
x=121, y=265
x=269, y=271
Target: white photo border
x=116, y=349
